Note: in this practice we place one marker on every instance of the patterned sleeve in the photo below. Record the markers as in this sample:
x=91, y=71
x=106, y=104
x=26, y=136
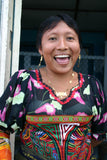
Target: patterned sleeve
x=99, y=110
x=12, y=108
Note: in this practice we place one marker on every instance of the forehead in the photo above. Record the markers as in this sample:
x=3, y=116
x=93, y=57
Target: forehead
x=61, y=27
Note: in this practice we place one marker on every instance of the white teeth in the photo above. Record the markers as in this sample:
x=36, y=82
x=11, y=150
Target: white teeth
x=61, y=56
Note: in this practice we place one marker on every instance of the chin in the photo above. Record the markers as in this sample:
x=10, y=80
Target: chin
x=63, y=70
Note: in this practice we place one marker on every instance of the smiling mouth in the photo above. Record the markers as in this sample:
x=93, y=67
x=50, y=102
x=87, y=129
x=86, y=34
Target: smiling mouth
x=62, y=59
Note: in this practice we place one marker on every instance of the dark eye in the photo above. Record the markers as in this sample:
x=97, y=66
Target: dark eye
x=70, y=38
x=52, y=38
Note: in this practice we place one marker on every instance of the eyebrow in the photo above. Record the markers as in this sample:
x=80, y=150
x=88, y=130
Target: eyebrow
x=55, y=33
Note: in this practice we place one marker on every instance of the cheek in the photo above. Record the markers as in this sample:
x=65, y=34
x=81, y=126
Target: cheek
x=76, y=52
x=76, y=48
x=47, y=53
x=47, y=49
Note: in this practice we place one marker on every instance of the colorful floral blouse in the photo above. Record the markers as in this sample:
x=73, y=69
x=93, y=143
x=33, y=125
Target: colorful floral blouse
x=50, y=128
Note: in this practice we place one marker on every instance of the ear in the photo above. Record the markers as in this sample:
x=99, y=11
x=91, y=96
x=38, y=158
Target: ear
x=40, y=51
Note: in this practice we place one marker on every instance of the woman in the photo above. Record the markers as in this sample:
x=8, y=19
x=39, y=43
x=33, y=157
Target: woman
x=57, y=110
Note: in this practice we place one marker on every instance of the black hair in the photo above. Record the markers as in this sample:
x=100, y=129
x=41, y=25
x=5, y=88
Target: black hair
x=52, y=21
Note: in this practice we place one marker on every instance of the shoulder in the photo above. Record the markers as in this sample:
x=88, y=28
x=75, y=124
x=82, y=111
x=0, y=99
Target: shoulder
x=90, y=78
x=22, y=75
x=92, y=81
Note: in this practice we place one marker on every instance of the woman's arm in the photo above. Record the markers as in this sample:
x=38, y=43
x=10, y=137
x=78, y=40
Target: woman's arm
x=95, y=142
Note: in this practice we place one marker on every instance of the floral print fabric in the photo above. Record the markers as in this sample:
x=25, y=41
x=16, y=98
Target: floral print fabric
x=26, y=94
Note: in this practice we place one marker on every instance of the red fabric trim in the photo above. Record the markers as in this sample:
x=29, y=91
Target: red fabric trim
x=4, y=135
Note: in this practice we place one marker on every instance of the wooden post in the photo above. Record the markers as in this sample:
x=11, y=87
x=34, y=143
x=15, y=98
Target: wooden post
x=4, y=44
x=9, y=44
x=15, y=50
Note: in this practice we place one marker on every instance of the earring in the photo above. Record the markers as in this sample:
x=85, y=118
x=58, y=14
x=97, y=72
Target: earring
x=41, y=59
x=79, y=59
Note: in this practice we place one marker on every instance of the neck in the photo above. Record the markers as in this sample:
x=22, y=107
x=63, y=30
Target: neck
x=58, y=76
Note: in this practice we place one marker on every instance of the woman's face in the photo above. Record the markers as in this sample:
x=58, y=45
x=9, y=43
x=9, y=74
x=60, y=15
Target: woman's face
x=60, y=48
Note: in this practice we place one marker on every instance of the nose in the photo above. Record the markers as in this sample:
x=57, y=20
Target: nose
x=62, y=45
